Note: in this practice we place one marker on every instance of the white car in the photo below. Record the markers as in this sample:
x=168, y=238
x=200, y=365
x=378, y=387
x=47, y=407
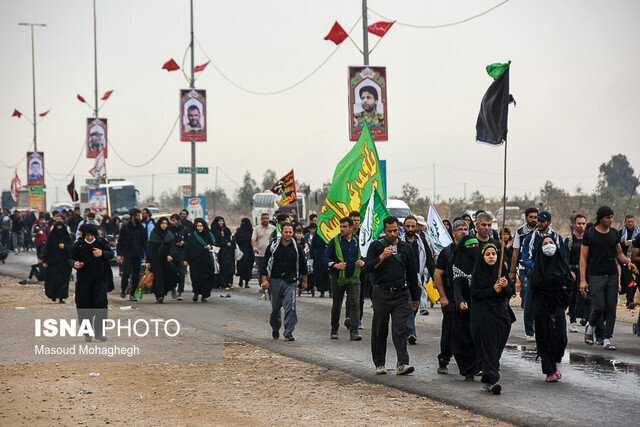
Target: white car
x=398, y=208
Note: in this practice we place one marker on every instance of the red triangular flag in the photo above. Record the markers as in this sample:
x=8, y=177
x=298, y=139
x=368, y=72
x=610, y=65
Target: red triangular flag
x=106, y=95
x=379, y=28
x=81, y=99
x=44, y=114
x=170, y=65
x=337, y=34
x=201, y=67
x=16, y=113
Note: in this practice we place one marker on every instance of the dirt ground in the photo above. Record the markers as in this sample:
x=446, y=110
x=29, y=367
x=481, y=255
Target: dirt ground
x=251, y=387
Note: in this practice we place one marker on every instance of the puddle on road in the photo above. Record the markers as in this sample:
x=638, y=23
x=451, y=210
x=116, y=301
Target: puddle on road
x=580, y=368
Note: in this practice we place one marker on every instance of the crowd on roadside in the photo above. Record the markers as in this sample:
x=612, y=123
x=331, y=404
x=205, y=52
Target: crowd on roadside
x=579, y=276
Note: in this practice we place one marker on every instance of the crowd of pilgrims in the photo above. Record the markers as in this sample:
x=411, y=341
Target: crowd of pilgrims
x=475, y=276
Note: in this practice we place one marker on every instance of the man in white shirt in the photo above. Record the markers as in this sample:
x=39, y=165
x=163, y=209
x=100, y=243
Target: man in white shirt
x=261, y=238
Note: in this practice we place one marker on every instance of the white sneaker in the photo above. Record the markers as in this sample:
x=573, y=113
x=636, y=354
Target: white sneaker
x=608, y=344
x=573, y=328
x=381, y=370
x=530, y=338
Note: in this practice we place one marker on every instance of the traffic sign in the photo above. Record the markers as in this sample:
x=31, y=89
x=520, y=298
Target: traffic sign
x=199, y=170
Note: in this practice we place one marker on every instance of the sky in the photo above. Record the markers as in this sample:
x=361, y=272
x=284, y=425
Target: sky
x=574, y=75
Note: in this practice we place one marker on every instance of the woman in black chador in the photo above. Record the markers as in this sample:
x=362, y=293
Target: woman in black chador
x=491, y=316
x=464, y=260
x=91, y=255
x=242, y=238
x=226, y=256
x=56, y=258
x=199, y=255
x=161, y=250
x=550, y=299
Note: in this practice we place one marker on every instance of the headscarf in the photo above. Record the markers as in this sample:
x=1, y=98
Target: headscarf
x=551, y=273
x=466, y=255
x=205, y=238
x=158, y=235
x=88, y=228
x=245, y=231
x=221, y=234
x=485, y=275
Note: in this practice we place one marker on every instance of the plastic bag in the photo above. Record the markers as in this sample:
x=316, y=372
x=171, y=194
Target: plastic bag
x=432, y=293
x=238, y=254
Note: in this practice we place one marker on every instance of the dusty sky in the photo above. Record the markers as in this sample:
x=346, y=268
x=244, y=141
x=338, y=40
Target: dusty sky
x=574, y=75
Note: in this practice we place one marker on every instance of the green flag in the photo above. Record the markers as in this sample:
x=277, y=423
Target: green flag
x=355, y=177
x=371, y=226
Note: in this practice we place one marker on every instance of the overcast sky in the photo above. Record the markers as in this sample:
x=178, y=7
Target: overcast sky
x=574, y=75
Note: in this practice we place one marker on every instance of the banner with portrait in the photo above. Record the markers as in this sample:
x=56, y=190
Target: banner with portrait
x=35, y=168
x=193, y=115
x=368, y=101
x=97, y=137
x=97, y=200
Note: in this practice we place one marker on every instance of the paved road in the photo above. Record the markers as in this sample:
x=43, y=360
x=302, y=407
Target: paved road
x=588, y=395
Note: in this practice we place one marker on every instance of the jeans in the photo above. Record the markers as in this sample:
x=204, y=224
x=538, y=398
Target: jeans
x=527, y=302
x=604, y=298
x=283, y=296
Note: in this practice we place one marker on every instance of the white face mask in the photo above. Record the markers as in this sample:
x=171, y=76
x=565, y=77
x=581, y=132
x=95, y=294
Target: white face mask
x=549, y=249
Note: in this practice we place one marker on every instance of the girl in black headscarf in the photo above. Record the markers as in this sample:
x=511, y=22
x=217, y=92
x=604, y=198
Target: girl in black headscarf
x=56, y=258
x=226, y=256
x=550, y=299
x=491, y=316
x=242, y=238
x=199, y=255
x=161, y=249
x=462, y=346
x=91, y=255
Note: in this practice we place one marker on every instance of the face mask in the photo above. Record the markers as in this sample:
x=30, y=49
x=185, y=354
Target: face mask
x=549, y=249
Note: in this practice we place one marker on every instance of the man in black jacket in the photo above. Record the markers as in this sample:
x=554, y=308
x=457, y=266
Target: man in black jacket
x=130, y=250
x=396, y=293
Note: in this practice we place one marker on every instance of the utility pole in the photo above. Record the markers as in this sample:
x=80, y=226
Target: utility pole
x=153, y=187
x=33, y=84
x=192, y=85
x=434, y=185
x=365, y=33
x=465, y=191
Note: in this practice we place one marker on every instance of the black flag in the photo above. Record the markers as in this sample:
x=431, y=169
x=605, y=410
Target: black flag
x=491, y=127
x=71, y=189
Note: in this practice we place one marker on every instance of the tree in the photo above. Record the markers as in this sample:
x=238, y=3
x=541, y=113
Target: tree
x=246, y=192
x=217, y=200
x=409, y=193
x=268, y=179
x=617, y=177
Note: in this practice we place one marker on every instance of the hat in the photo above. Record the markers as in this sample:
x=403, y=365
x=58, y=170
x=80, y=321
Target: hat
x=420, y=220
x=603, y=211
x=544, y=216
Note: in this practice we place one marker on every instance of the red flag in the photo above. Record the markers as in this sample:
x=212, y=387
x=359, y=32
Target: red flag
x=337, y=34
x=44, y=114
x=106, y=95
x=170, y=65
x=379, y=28
x=201, y=67
x=16, y=113
x=81, y=99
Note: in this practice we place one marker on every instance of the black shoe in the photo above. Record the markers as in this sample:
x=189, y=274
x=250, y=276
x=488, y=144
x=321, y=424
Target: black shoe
x=355, y=336
x=275, y=335
x=132, y=298
x=60, y=301
x=195, y=298
x=412, y=339
x=442, y=369
x=289, y=338
x=424, y=312
x=334, y=335
x=322, y=294
x=495, y=389
x=347, y=323
x=179, y=296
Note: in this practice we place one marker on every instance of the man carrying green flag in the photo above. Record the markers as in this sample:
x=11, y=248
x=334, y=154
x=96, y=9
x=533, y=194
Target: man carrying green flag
x=356, y=176
x=372, y=214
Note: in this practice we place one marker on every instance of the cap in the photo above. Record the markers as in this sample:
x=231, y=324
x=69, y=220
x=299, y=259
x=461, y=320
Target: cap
x=544, y=216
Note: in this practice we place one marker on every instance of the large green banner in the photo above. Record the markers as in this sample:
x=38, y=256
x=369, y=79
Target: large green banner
x=355, y=177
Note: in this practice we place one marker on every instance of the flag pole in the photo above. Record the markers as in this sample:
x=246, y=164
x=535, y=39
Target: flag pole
x=504, y=208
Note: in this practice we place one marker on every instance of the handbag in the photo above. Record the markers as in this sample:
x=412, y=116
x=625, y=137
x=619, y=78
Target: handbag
x=238, y=254
x=146, y=282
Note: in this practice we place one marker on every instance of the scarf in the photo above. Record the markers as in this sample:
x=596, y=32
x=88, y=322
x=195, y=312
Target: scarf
x=342, y=274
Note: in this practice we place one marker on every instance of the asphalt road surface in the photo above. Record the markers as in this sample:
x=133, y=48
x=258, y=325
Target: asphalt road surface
x=597, y=388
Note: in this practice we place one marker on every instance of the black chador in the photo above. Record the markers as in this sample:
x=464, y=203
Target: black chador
x=200, y=258
x=491, y=316
x=57, y=257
